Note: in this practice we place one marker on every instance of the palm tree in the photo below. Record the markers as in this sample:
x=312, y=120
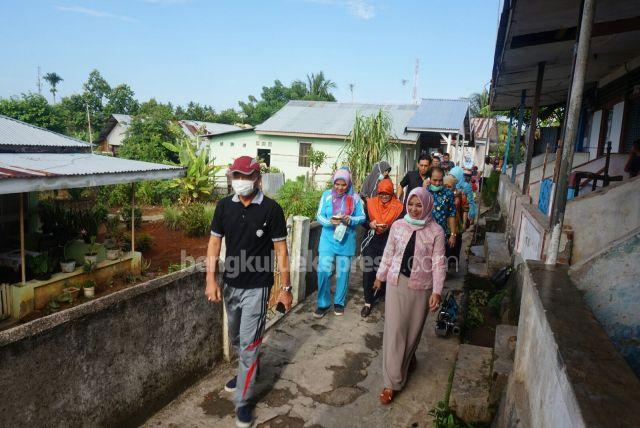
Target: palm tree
x=480, y=104
x=53, y=79
x=319, y=88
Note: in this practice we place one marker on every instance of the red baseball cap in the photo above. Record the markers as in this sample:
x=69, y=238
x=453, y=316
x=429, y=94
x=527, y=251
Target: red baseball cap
x=245, y=165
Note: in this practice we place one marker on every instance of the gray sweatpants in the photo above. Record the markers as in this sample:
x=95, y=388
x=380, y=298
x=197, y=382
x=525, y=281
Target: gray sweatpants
x=247, y=316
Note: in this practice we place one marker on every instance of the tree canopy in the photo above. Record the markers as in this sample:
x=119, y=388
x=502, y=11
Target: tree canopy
x=151, y=125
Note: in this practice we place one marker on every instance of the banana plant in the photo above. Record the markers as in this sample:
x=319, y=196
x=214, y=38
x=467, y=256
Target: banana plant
x=197, y=184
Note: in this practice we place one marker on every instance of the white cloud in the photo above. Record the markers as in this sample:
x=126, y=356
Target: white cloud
x=361, y=9
x=95, y=13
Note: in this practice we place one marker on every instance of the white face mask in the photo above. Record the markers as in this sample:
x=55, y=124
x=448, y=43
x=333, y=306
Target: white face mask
x=242, y=187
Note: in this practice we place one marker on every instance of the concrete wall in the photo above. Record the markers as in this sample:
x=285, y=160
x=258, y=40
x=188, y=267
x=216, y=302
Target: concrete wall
x=602, y=217
x=112, y=361
x=610, y=284
x=566, y=371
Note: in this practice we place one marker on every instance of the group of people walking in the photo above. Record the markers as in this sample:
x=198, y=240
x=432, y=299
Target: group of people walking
x=405, y=254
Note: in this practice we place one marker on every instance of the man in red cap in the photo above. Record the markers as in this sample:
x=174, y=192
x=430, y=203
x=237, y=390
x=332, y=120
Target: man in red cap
x=253, y=226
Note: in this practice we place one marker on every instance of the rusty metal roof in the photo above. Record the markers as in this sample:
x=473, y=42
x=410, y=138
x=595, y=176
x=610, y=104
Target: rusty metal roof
x=16, y=133
x=484, y=128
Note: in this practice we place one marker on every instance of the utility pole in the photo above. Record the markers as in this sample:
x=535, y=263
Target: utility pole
x=414, y=91
x=89, y=123
x=351, y=86
x=39, y=82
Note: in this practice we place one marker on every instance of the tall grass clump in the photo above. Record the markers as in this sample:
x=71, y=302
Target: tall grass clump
x=369, y=142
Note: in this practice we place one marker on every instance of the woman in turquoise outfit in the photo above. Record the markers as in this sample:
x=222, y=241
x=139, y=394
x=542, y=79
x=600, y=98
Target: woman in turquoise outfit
x=465, y=187
x=340, y=211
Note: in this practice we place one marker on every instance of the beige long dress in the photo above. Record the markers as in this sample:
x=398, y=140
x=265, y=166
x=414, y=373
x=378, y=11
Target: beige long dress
x=405, y=312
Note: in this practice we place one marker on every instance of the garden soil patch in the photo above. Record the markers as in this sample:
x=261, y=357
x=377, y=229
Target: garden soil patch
x=168, y=245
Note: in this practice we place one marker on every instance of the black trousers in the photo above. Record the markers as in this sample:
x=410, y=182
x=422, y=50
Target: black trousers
x=453, y=252
x=373, y=254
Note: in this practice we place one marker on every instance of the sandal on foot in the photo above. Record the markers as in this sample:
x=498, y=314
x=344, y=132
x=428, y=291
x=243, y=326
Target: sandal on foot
x=386, y=396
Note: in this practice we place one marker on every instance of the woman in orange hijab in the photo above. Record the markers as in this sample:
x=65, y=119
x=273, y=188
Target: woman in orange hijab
x=382, y=211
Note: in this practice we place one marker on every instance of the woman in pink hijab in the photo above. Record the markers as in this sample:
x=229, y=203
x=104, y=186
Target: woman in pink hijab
x=414, y=267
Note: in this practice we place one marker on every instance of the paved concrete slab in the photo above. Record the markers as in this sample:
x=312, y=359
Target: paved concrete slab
x=503, y=354
x=471, y=383
x=324, y=373
x=496, y=251
x=478, y=269
x=478, y=251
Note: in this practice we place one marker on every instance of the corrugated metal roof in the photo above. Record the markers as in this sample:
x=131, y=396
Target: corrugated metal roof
x=123, y=119
x=16, y=133
x=190, y=127
x=25, y=172
x=52, y=164
x=484, y=127
x=334, y=119
x=435, y=115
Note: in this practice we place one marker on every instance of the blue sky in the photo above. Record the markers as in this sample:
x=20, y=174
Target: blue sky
x=218, y=52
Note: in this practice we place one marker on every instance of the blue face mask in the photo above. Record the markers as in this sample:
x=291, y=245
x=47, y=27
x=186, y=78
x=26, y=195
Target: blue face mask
x=381, y=176
x=413, y=221
x=435, y=188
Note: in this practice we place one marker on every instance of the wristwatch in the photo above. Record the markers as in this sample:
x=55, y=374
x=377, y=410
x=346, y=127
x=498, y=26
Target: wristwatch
x=286, y=288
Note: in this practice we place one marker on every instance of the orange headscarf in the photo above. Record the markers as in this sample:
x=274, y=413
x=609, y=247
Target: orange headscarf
x=381, y=212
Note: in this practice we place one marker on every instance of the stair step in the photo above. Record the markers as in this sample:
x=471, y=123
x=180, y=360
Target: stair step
x=478, y=269
x=472, y=383
x=496, y=252
x=503, y=354
x=478, y=250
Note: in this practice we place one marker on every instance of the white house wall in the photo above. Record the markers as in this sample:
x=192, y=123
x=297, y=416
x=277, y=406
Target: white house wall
x=117, y=135
x=285, y=153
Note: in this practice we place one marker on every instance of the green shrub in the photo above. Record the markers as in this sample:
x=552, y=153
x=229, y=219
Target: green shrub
x=144, y=241
x=171, y=217
x=296, y=198
x=478, y=299
x=194, y=220
x=126, y=216
x=490, y=188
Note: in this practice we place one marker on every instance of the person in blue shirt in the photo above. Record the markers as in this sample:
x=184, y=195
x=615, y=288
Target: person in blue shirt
x=465, y=187
x=340, y=211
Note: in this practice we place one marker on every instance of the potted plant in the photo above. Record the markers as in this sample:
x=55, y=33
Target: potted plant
x=67, y=264
x=92, y=255
x=40, y=266
x=71, y=290
x=89, y=288
x=113, y=251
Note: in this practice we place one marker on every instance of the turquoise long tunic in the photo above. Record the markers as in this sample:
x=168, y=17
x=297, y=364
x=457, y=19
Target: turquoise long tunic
x=329, y=246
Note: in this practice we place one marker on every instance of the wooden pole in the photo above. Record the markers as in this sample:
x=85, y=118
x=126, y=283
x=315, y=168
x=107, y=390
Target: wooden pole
x=505, y=159
x=23, y=264
x=133, y=217
x=516, y=150
x=532, y=129
x=571, y=127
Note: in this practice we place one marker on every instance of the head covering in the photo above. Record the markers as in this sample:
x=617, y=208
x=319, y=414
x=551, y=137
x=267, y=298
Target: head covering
x=449, y=180
x=458, y=173
x=369, y=187
x=342, y=204
x=427, y=205
x=384, y=213
x=245, y=165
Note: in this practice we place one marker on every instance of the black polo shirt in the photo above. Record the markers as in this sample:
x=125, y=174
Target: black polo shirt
x=249, y=236
x=412, y=179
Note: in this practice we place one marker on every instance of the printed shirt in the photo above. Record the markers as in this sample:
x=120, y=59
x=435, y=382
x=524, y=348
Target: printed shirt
x=443, y=207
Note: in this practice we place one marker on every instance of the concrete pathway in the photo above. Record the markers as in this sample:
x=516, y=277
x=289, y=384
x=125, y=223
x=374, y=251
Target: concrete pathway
x=324, y=373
